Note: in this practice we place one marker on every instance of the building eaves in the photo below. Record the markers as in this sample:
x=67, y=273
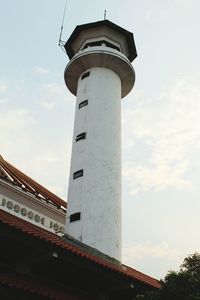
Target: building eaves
x=11, y=175
x=32, y=285
x=41, y=234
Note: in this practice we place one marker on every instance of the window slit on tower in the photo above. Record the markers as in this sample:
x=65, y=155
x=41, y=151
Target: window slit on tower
x=78, y=174
x=86, y=74
x=81, y=136
x=83, y=103
x=75, y=217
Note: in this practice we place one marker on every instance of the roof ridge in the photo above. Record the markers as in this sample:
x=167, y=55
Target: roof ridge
x=29, y=184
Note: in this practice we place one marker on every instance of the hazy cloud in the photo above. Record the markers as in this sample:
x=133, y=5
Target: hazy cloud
x=149, y=14
x=3, y=87
x=52, y=93
x=35, y=154
x=48, y=104
x=41, y=70
x=169, y=128
x=153, y=258
x=53, y=88
x=14, y=119
x=160, y=12
x=139, y=251
x=3, y=100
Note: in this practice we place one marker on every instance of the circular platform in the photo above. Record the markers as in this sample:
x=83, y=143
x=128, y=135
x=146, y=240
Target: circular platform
x=103, y=58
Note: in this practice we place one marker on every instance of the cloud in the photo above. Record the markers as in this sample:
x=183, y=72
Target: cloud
x=52, y=92
x=35, y=154
x=41, y=70
x=49, y=166
x=155, y=259
x=33, y=140
x=15, y=130
x=3, y=100
x=3, y=87
x=48, y=104
x=160, y=12
x=53, y=88
x=159, y=177
x=169, y=129
x=149, y=15
x=14, y=120
x=148, y=249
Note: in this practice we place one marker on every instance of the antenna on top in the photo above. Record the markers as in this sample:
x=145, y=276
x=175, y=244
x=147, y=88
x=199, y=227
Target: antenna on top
x=60, y=42
x=105, y=14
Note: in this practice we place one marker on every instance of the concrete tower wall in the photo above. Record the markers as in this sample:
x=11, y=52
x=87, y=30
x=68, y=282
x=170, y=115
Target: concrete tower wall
x=99, y=74
x=97, y=194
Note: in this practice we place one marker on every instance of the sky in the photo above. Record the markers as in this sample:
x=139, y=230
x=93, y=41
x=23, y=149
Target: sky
x=160, y=117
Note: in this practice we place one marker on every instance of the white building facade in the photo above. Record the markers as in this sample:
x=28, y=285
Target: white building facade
x=26, y=199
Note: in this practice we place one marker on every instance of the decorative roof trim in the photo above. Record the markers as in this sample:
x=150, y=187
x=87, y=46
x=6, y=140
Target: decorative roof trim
x=14, y=176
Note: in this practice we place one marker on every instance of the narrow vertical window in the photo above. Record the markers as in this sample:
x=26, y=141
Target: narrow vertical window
x=83, y=103
x=81, y=136
x=87, y=74
x=78, y=174
x=75, y=217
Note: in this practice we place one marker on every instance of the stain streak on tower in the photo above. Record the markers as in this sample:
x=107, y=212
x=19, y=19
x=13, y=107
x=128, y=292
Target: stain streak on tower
x=99, y=74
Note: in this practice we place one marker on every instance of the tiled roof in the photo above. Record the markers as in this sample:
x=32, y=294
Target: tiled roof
x=12, y=175
x=31, y=285
x=39, y=233
x=142, y=277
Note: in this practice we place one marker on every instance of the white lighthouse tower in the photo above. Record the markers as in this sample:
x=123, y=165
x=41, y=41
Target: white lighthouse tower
x=99, y=74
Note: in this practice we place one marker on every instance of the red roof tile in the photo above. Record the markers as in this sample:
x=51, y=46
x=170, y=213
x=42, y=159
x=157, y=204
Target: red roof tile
x=14, y=176
x=142, y=277
x=42, y=234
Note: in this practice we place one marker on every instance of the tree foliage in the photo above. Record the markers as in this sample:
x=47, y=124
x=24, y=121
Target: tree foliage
x=181, y=285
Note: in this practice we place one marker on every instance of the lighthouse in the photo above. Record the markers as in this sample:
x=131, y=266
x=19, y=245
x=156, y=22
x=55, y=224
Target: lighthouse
x=99, y=74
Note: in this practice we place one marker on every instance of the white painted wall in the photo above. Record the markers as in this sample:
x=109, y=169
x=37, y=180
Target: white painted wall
x=97, y=195
x=31, y=209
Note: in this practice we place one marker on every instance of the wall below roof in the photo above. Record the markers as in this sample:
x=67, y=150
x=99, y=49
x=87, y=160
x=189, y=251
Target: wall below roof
x=31, y=209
